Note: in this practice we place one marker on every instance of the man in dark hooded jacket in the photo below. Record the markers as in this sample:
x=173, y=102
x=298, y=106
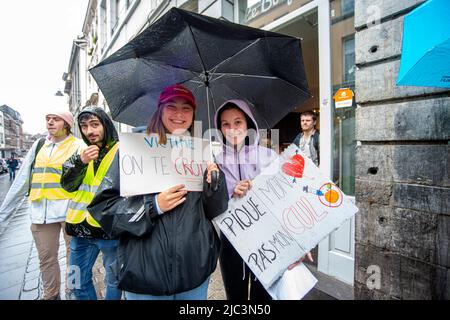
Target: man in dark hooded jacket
x=83, y=173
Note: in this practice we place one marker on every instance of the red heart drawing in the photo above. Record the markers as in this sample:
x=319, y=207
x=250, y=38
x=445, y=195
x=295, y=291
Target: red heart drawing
x=296, y=167
x=299, y=159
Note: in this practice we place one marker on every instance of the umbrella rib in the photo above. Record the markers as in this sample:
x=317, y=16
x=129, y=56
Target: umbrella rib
x=163, y=64
x=194, y=81
x=237, y=53
x=198, y=49
x=199, y=82
x=238, y=75
x=147, y=62
x=212, y=70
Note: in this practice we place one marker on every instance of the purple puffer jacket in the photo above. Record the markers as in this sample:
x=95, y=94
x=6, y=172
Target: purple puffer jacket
x=250, y=160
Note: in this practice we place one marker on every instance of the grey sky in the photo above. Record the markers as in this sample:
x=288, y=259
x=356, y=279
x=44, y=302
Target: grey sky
x=35, y=44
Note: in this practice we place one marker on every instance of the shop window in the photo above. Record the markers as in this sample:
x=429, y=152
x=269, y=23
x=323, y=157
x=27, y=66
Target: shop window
x=349, y=59
x=114, y=15
x=122, y=7
x=103, y=25
x=343, y=75
x=347, y=7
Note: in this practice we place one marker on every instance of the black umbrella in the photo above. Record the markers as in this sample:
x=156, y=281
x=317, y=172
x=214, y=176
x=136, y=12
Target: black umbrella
x=216, y=59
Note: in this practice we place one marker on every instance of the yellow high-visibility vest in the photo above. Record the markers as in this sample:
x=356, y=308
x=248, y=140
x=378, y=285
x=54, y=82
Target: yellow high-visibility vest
x=45, y=182
x=77, y=206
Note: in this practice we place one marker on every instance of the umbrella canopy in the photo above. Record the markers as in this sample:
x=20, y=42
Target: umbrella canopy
x=425, y=57
x=217, y=60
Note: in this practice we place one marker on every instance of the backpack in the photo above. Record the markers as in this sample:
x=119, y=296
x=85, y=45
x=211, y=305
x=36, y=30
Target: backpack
x=30, y=174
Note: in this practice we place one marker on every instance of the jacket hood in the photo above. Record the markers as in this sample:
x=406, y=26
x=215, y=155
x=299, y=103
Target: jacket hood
x=244, y=107
x=111, y=136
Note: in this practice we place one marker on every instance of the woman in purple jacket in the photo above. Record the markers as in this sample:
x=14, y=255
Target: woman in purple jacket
x=241, y=161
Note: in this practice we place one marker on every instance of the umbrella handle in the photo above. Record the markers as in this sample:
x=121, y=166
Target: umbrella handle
x=214, y=185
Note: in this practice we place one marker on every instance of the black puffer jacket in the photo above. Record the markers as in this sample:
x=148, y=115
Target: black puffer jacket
x=160, y=254
x=74, y=171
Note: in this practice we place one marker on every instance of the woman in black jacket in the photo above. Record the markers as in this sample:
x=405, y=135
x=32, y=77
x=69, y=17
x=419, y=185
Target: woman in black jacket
x=168, y=246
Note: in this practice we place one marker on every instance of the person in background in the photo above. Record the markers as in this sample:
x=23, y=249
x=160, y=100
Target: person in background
x=308, y=139
x=12, y=167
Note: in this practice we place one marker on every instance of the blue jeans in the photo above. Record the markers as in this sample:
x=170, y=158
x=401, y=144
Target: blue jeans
x=83, y=253
x=199, y=293
x=12, y=174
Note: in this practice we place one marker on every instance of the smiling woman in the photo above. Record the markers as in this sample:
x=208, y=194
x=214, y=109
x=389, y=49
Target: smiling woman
x=175, y=112
x=177, y=115
x=172, y=222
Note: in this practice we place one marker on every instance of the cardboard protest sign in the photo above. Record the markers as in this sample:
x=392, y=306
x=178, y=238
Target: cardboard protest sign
x=290, y=208
x=148, y=167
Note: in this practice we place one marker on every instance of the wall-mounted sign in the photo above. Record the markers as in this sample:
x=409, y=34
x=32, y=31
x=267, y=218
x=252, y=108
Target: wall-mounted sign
x=343, y=98
x=264, y=6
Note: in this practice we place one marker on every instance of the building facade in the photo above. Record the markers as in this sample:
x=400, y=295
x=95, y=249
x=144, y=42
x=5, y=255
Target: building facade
x=28, y=140
x=2, y=134
x=13, y=133
x=346, y=44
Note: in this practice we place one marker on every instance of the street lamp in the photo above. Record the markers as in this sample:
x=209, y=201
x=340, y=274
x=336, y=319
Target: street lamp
x=80, y=42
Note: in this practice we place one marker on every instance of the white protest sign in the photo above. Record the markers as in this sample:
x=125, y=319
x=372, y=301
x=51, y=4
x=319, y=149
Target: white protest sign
x=148, y=167
x=290, y=208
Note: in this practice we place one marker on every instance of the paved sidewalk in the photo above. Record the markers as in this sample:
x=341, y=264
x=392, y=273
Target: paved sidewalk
x=19, y=264
x=20, y=278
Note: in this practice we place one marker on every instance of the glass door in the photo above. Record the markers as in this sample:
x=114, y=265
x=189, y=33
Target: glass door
x=337, y=252
x=326, y=29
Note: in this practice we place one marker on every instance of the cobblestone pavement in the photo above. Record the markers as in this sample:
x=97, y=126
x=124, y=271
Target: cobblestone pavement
x=20, y=277
x=216, y=290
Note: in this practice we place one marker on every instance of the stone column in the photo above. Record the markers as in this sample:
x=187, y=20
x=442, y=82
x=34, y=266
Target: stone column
x=222, y=9
x=402, y=167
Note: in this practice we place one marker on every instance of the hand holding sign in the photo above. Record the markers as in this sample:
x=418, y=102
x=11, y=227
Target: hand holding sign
x=90, y=153
x=147, y=167
x=308, y=255
x=241, y=188
x=290, y=208
x=171, y=198
x=211, y=167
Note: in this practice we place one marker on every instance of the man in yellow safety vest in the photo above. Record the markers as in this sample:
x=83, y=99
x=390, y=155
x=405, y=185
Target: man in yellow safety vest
x=40, y=176
x=83, y=173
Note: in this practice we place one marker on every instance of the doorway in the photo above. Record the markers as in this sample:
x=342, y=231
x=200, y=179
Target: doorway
x=328, y=52
x=306, y=28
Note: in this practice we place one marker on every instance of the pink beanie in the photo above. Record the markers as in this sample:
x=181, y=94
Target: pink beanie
x=65, y=115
